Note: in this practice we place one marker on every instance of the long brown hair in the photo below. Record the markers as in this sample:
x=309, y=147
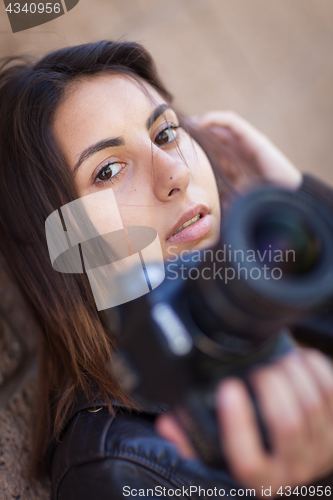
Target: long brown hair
x=35, y=181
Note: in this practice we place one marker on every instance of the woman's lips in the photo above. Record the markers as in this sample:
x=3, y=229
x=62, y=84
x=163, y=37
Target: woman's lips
x=193, y=232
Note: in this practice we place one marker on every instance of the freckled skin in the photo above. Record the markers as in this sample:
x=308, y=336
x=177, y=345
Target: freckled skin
x=155, y=186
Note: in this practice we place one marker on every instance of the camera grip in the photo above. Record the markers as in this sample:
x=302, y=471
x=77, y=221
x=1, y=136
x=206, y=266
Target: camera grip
x=196, y=413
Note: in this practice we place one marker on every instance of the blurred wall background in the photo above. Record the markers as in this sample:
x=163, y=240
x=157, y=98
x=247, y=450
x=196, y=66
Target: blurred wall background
x=269, y=60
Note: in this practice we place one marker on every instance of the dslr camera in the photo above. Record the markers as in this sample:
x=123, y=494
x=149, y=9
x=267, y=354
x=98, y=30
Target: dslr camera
x=221, y=311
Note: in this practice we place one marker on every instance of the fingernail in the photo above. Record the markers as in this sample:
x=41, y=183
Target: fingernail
x=228, y=393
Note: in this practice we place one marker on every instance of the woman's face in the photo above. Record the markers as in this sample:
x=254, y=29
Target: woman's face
x=115, y=135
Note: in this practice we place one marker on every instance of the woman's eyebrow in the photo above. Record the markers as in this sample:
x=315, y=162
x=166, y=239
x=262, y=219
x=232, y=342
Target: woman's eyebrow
x=91, y=150
x=118, y=141
x=156, y=114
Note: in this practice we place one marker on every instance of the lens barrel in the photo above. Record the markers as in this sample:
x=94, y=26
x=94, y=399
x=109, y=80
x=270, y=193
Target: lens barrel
x=278, y=252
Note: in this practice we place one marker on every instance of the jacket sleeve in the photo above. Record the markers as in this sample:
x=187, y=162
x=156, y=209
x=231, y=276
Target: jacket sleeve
x=317, y=331
x=118, y=479
x=101, y=457
x=115, y=479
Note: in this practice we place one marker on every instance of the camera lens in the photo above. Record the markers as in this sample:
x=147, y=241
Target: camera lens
x=284, y=239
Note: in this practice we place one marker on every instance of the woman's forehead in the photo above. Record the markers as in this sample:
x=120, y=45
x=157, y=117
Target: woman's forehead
x=101, y=104
x=112, y=88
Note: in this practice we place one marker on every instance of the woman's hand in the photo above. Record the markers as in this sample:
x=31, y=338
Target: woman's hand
x=254, y=148
x=295, y=396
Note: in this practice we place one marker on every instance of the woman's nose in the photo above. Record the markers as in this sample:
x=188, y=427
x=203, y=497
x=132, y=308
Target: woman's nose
x=170, y=174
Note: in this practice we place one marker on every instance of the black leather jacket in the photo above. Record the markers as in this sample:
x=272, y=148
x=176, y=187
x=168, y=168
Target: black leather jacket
x=113, y=457
x=103, y=457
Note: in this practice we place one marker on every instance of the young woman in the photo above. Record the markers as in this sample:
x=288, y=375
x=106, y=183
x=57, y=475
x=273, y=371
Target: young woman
x=77, y=122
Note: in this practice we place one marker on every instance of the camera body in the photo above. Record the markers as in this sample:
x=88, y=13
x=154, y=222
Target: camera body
x=198, y=327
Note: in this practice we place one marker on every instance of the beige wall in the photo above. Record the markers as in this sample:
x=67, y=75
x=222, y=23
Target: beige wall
x=270, y=60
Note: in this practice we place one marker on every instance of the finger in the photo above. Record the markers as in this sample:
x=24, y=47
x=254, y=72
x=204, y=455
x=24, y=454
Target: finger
x=223, y=133
x=230, y=126
x=322, y=370
x=256, y=148
x=306, y=390
x=309, y=396
x=319, y=451
x=286, y=423
x=224, y=127
x=240, y=434
x=232, y=121
x=168, y=427
x=250, y=139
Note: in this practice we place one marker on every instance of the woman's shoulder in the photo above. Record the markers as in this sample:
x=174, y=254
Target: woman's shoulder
x=102, y=456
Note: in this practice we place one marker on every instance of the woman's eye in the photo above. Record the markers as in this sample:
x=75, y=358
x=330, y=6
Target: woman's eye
x=109, y=171
x=168, y=134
